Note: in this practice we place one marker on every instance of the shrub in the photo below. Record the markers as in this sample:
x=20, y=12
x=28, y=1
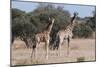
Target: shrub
x=82, y=31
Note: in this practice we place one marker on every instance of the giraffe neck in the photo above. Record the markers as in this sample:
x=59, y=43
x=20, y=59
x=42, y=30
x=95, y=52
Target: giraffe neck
x=72, y=24
x=49, y=27
x=69, y=27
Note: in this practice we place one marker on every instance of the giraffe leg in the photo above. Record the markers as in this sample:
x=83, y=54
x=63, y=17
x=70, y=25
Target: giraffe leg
x=68, y=46
x=59, y=49
x=36, y=51
x=32, y=54
x=58, y=43
x=47, y=44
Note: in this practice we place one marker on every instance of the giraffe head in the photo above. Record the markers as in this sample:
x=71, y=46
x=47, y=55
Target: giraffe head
x=51, y=20
x=73, y=19
x=75, y=14
x=50, y=24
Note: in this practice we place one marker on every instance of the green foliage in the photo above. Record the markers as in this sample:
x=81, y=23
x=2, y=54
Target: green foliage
x=40, y=17
x=82, y=31
x=21, y=25
x=92, y=21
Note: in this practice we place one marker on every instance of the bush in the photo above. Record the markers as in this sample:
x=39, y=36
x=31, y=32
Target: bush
x=82, y=31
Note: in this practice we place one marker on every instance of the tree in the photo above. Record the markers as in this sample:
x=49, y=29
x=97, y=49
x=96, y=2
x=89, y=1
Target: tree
x=21, y=26
x=40, y=16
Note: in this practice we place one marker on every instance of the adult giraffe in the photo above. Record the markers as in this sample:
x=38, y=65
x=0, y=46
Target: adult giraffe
x=65, y=34
x=43, y=37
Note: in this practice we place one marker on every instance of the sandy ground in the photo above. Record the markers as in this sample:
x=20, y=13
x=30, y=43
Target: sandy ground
x=80, y=50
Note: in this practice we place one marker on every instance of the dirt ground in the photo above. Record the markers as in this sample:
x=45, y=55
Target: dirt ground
x=80, y=50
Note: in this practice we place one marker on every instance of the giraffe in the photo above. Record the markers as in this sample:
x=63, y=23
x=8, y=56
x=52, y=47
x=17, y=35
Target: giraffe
x=65, y=34
x=43, y=37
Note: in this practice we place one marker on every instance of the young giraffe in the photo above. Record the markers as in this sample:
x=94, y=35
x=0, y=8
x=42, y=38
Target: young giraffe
x=66, y=34
x=44, y=37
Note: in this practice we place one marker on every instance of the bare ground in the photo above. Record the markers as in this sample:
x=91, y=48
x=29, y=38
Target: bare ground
x=80, y=50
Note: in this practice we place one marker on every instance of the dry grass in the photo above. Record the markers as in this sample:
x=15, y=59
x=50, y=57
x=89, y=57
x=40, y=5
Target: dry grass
x=80, y=50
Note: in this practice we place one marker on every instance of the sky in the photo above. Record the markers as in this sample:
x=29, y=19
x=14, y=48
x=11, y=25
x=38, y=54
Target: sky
x=83, y=10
